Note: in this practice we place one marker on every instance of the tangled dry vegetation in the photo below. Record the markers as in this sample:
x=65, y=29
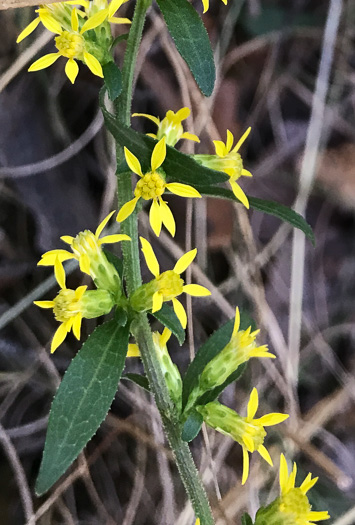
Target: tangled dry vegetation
x=57, y=176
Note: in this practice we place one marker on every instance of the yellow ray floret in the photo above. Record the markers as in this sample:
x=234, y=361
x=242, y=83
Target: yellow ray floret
x=166, y=286
x=171, y=126
x=206, y=4
x=152, y=186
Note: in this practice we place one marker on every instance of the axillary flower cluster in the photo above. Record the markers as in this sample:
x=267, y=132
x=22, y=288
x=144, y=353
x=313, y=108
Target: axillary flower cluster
x=83, y=34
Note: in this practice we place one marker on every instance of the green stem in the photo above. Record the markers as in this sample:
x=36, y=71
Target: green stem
x=140, y=326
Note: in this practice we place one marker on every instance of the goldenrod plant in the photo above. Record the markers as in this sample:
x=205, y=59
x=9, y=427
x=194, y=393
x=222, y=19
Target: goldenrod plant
x=82, y=33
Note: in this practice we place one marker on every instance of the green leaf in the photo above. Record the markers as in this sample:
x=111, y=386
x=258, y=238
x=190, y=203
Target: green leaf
x=115, y=261
x=138, y=379
x=191, y=40
x=211, y=395
x=113, y=80
x=192, y=427
x=246, y=519
x=270, y=207
x=177, y=166
x=119, y=39
x=167, y=317
x=82, y=400
x=214, y=344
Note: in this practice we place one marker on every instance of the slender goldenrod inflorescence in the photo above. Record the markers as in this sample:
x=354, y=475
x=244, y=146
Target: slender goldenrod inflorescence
x=229, y=161
x=151, y=186
x=239, y=350
x=73, y=41
x=87, y=249
x=166, y=286
x=70, y=306
x=206, y=4
x=292, y=507
x=170, y=127
x=247, y=431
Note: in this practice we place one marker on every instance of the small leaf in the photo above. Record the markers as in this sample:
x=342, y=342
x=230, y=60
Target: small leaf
x=116, y=261
x=82, y=400
x=177, y=166
x=120, y=316
x=138, y=379
x=246, y=519
x=211, y=395
x=191, y=40
x=168, y=318
x=280, y=211
x=119, y=39
x=113, y=80
x=192, y=427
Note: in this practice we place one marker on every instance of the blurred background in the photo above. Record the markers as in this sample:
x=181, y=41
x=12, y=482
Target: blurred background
x=57, y=176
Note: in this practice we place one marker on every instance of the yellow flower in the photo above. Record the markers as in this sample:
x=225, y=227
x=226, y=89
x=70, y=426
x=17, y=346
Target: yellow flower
x=206, y=4
x=294, y=502
x=229, y=161
x=86, y=248
x=166, y=286
x=170, y=127
x=247, y=431
x=151, y=186
x=70, y=306
x=107, y=11
x=292, y=507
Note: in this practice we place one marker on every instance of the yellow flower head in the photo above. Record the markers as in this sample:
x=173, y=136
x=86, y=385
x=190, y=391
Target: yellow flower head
x=206, y=4
x=151, y=186
x=228, y=160
x=240, y=349
x=70, y=306
x=293, y=502
x=67, y=21
x=247, y=431
x=170, y=127
x=87, y=249
x=166, y=286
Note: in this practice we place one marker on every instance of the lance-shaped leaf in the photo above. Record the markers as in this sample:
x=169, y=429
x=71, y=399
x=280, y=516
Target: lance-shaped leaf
x=82, y=400
x=192, y=426
x=270, y=207
x=191, y=40
x=168, y=318
x=177, y=166
x=113, y=80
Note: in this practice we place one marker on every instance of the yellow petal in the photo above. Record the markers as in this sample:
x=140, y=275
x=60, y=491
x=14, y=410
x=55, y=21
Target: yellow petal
x=245, y=465
x=44, y=304
x=156, y=120
x=84, y=263
x=264, y=453
x=239, y=193
x=236, y=322
x=159, y=154
x=59, y=337
x=133, y=350
x=182, y=114
x=68, y=239
x=167, y=217
x=28, y=30
x=74, y=19
x=271, y=419
x=93, y=64
x=133, y=162
x=79, y=292
x=59, y=273
x=183, y=190
x=292, y=478
x=206, y=4
x=196, y=290
x=155, y=217
x=229, y=141
x=48, y=258
x=283, y=474
x=71, y=70
x=117, y=20
x=94, y=21
x=165, y=336
x=157, y=302
x=150, y=258
x=308, y=483
x=185, y=261
x=114, y=6
x=198, y=522
x=253, y=404
x=180, y=312
x=241, y=140
x=246, y=173
x=43, y=62
x=190, y=136
x=317, y=516
x=127, y=210
x=77, y=325
x=102, y=224
x=220, y=148
x=49, y=22
x=118, y=237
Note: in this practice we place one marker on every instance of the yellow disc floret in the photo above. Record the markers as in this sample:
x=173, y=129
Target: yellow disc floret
x=66, y=305
x=70, y=45
x=170, y=285
x=151, y=186
x=296, y=505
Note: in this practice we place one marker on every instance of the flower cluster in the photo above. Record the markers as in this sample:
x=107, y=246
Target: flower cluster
x=82, y=34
